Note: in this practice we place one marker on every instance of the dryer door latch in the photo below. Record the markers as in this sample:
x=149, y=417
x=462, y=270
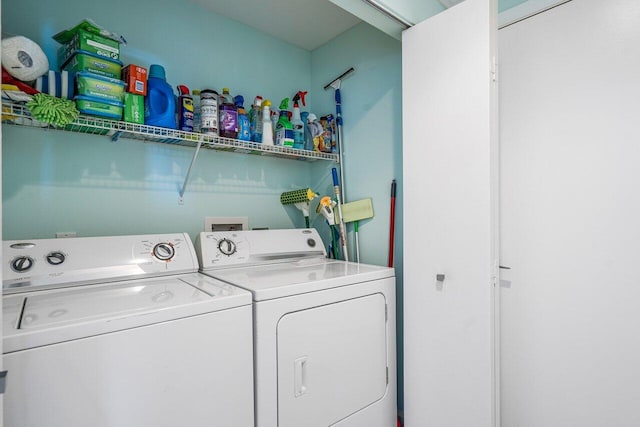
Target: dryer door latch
x=3, y=381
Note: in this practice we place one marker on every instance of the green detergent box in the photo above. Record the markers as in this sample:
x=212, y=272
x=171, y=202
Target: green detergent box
x=99, y=107
x=133, y=108
x=89, y=84
x=89, y=42
x=90, y=62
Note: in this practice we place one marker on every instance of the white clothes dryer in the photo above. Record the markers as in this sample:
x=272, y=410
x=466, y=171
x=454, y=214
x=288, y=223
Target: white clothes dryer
x=324, y=330
x=122, y=331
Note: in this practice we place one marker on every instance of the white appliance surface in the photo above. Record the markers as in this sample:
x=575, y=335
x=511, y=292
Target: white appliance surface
x=324, y=330
x=81, y=344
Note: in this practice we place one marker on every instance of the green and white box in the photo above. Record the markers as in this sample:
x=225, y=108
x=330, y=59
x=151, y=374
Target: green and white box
x=89, y=42
x=133, y=108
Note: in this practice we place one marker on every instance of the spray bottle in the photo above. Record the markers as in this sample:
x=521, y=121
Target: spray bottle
x=185, y=109
x=284, y=128
x=296, y=120
x=255, y=119
x=244, y=133
x=267, y=127
x=308, y=142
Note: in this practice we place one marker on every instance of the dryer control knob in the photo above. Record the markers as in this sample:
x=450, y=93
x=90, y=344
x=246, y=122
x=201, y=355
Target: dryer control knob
x=164, y=251
x=55, y=258
x=21, y=264
x=227, y=247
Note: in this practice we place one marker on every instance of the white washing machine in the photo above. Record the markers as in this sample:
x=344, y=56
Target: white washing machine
x=123, y=331
x=324, y=330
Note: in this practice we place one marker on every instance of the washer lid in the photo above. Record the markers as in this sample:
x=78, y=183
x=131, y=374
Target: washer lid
x=297, y=277
x=46, y=317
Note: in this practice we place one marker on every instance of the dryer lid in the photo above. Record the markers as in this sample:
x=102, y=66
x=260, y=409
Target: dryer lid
x=297, y=277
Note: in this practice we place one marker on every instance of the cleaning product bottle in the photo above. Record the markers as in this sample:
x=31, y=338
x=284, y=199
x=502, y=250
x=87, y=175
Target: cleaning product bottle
x=317, y=132
x=284, y=128
x=308, y=142
x=296, y=121
x=228, y=115
x=209, y=112
x=267, y=127
x=244, y=131
x=160, y=103
x=274, y=121
x=185, y=109
x=255, y=119
x=196, y=110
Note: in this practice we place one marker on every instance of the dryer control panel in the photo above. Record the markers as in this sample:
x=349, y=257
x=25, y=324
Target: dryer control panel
x=49, y=263
x=256, y=247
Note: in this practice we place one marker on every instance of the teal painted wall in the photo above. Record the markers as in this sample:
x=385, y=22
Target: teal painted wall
x=58, y=181
x=508, y=4
x=372, y=112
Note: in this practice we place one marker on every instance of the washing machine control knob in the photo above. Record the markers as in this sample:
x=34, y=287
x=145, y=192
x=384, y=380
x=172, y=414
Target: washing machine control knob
x=164, y=251
x=22, y=263
x=227, y=247
x=55, y=258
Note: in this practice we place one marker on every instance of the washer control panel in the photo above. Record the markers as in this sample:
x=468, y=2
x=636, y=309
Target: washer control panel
x=230, y=248
x=64, y=262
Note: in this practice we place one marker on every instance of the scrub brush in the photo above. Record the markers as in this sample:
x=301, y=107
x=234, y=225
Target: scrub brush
x=301, y=199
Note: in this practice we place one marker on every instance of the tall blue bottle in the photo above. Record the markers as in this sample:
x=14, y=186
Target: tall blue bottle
x=160, y=102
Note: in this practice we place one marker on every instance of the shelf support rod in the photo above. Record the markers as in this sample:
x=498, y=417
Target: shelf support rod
x=186, y=178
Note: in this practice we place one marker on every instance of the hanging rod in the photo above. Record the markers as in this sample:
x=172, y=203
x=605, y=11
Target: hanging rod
x=389, y=13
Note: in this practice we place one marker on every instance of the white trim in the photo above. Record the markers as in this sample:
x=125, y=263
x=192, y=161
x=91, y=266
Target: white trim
x=526, y=10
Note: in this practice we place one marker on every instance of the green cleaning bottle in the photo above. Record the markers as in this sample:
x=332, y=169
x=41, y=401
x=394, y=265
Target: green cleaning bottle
x=284, y=128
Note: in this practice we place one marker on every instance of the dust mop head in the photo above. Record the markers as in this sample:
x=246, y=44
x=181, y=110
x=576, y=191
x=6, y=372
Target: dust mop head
x=297, y=196
x=358, y=210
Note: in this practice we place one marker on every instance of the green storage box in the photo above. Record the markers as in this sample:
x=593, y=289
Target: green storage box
x=133, y=108
x=85, y=61
x=89, y=84
x=89, y=42
x=99, y=107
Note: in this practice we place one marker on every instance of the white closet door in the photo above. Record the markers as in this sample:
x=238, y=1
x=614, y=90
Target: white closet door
x=570, y=176
x=449, y=153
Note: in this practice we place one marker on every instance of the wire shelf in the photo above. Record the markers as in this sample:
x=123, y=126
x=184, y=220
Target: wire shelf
x=17, y=114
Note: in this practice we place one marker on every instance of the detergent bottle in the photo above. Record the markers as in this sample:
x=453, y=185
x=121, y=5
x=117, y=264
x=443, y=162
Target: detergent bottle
x=296, y=121
x=244, y=131
x=267, y=127
x=255, y=119
x=284, y=128
x=228, y=115
x=160, y=102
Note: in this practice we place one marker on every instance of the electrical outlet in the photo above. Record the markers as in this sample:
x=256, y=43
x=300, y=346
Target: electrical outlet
x=65, y=234
x=229, y=223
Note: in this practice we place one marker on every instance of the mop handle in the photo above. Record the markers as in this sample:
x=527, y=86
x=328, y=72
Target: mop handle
x=338, y=99
x=392, y=222
x=336, y=189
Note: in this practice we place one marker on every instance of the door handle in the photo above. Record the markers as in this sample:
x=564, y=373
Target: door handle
x=300, y=376
x=504, y=267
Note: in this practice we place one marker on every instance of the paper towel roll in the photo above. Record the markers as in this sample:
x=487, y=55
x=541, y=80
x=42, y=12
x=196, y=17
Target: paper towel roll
x=23, y=58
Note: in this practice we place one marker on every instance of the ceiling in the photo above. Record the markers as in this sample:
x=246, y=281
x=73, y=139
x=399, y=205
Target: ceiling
x=305, y=23
x=310, y=24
